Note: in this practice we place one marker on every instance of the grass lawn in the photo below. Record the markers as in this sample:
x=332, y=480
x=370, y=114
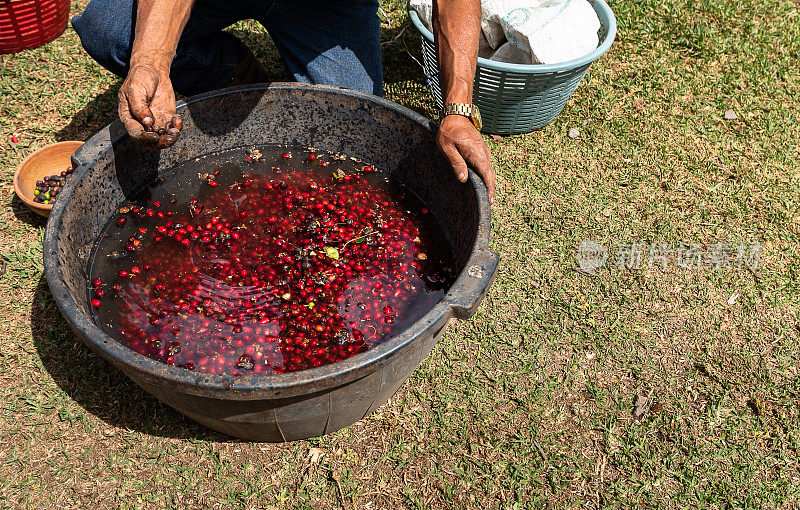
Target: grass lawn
x=532, y=403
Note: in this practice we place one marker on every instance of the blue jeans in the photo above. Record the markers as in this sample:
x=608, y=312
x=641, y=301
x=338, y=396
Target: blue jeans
x=332, y=42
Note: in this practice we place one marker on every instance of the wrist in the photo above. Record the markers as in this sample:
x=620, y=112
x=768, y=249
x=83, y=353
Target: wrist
x=467, y=111
x=455, y=118
x=151, y=60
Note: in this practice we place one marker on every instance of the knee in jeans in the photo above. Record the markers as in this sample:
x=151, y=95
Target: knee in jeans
x=105, y=36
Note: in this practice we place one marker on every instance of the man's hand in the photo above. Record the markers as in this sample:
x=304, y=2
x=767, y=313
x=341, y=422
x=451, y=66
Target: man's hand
x=463, y=145
x=146, y=99
x=147, y=107
x=456, y=30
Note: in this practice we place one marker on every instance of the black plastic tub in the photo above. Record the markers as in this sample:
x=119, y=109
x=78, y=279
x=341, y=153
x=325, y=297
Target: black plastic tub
x=295, y=405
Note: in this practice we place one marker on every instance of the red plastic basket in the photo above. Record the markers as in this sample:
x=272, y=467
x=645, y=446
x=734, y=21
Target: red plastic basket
x=26, y=24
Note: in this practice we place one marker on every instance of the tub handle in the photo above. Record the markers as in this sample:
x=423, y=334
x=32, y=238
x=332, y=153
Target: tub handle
x=471, y=287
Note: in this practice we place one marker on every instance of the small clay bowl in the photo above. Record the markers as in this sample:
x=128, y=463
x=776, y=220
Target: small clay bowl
x=49, y=160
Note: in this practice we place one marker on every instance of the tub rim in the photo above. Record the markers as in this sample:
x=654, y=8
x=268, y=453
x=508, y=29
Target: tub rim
x=461, y=300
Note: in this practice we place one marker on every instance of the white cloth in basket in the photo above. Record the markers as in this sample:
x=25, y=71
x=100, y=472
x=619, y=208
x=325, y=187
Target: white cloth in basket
x=547, y=31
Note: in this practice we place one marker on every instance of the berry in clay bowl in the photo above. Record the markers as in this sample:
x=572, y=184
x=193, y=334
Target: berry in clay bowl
x=111, y=167
x=50, y=161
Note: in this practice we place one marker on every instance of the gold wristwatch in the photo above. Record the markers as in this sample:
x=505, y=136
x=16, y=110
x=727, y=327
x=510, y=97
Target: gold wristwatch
x=469, y=111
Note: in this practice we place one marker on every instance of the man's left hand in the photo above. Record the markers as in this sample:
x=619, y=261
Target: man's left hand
x=463, y=145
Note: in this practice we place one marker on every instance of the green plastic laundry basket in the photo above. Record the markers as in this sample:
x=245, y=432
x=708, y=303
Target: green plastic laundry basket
x=519, y=98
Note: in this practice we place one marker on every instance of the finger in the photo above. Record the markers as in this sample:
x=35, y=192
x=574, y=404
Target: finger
x=169, y=138
x=140, y=95
x=162, y=123
x=177, y=122
x=141, y=112
x=149, y=140
x=491, y=177
x=488, y=152
x=493, y=185
x=484, y=169
x=456, y=160
x=479, y=158
x=133, y=127
x=149, y=137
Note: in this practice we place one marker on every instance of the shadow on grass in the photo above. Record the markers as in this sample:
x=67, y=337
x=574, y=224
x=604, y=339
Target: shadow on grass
x=24, y=214
x=99, y=112
x=96, y=385
x=401, y=45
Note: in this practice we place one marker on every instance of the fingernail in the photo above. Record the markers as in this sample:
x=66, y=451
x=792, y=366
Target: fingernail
x=462, y=177
x=147, y=120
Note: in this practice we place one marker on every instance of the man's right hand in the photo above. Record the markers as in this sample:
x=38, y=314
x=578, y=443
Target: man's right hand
x=147, y=107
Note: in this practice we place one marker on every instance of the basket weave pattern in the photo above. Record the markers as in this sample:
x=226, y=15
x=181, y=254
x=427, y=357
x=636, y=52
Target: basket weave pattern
x=516, y=98
x=26, y=24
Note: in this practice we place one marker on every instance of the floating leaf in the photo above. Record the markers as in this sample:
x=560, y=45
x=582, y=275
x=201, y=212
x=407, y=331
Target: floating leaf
x=339, y=174
x=332, y=252
x=253, y=153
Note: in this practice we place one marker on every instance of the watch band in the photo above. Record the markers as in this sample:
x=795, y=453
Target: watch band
x=467, y=110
